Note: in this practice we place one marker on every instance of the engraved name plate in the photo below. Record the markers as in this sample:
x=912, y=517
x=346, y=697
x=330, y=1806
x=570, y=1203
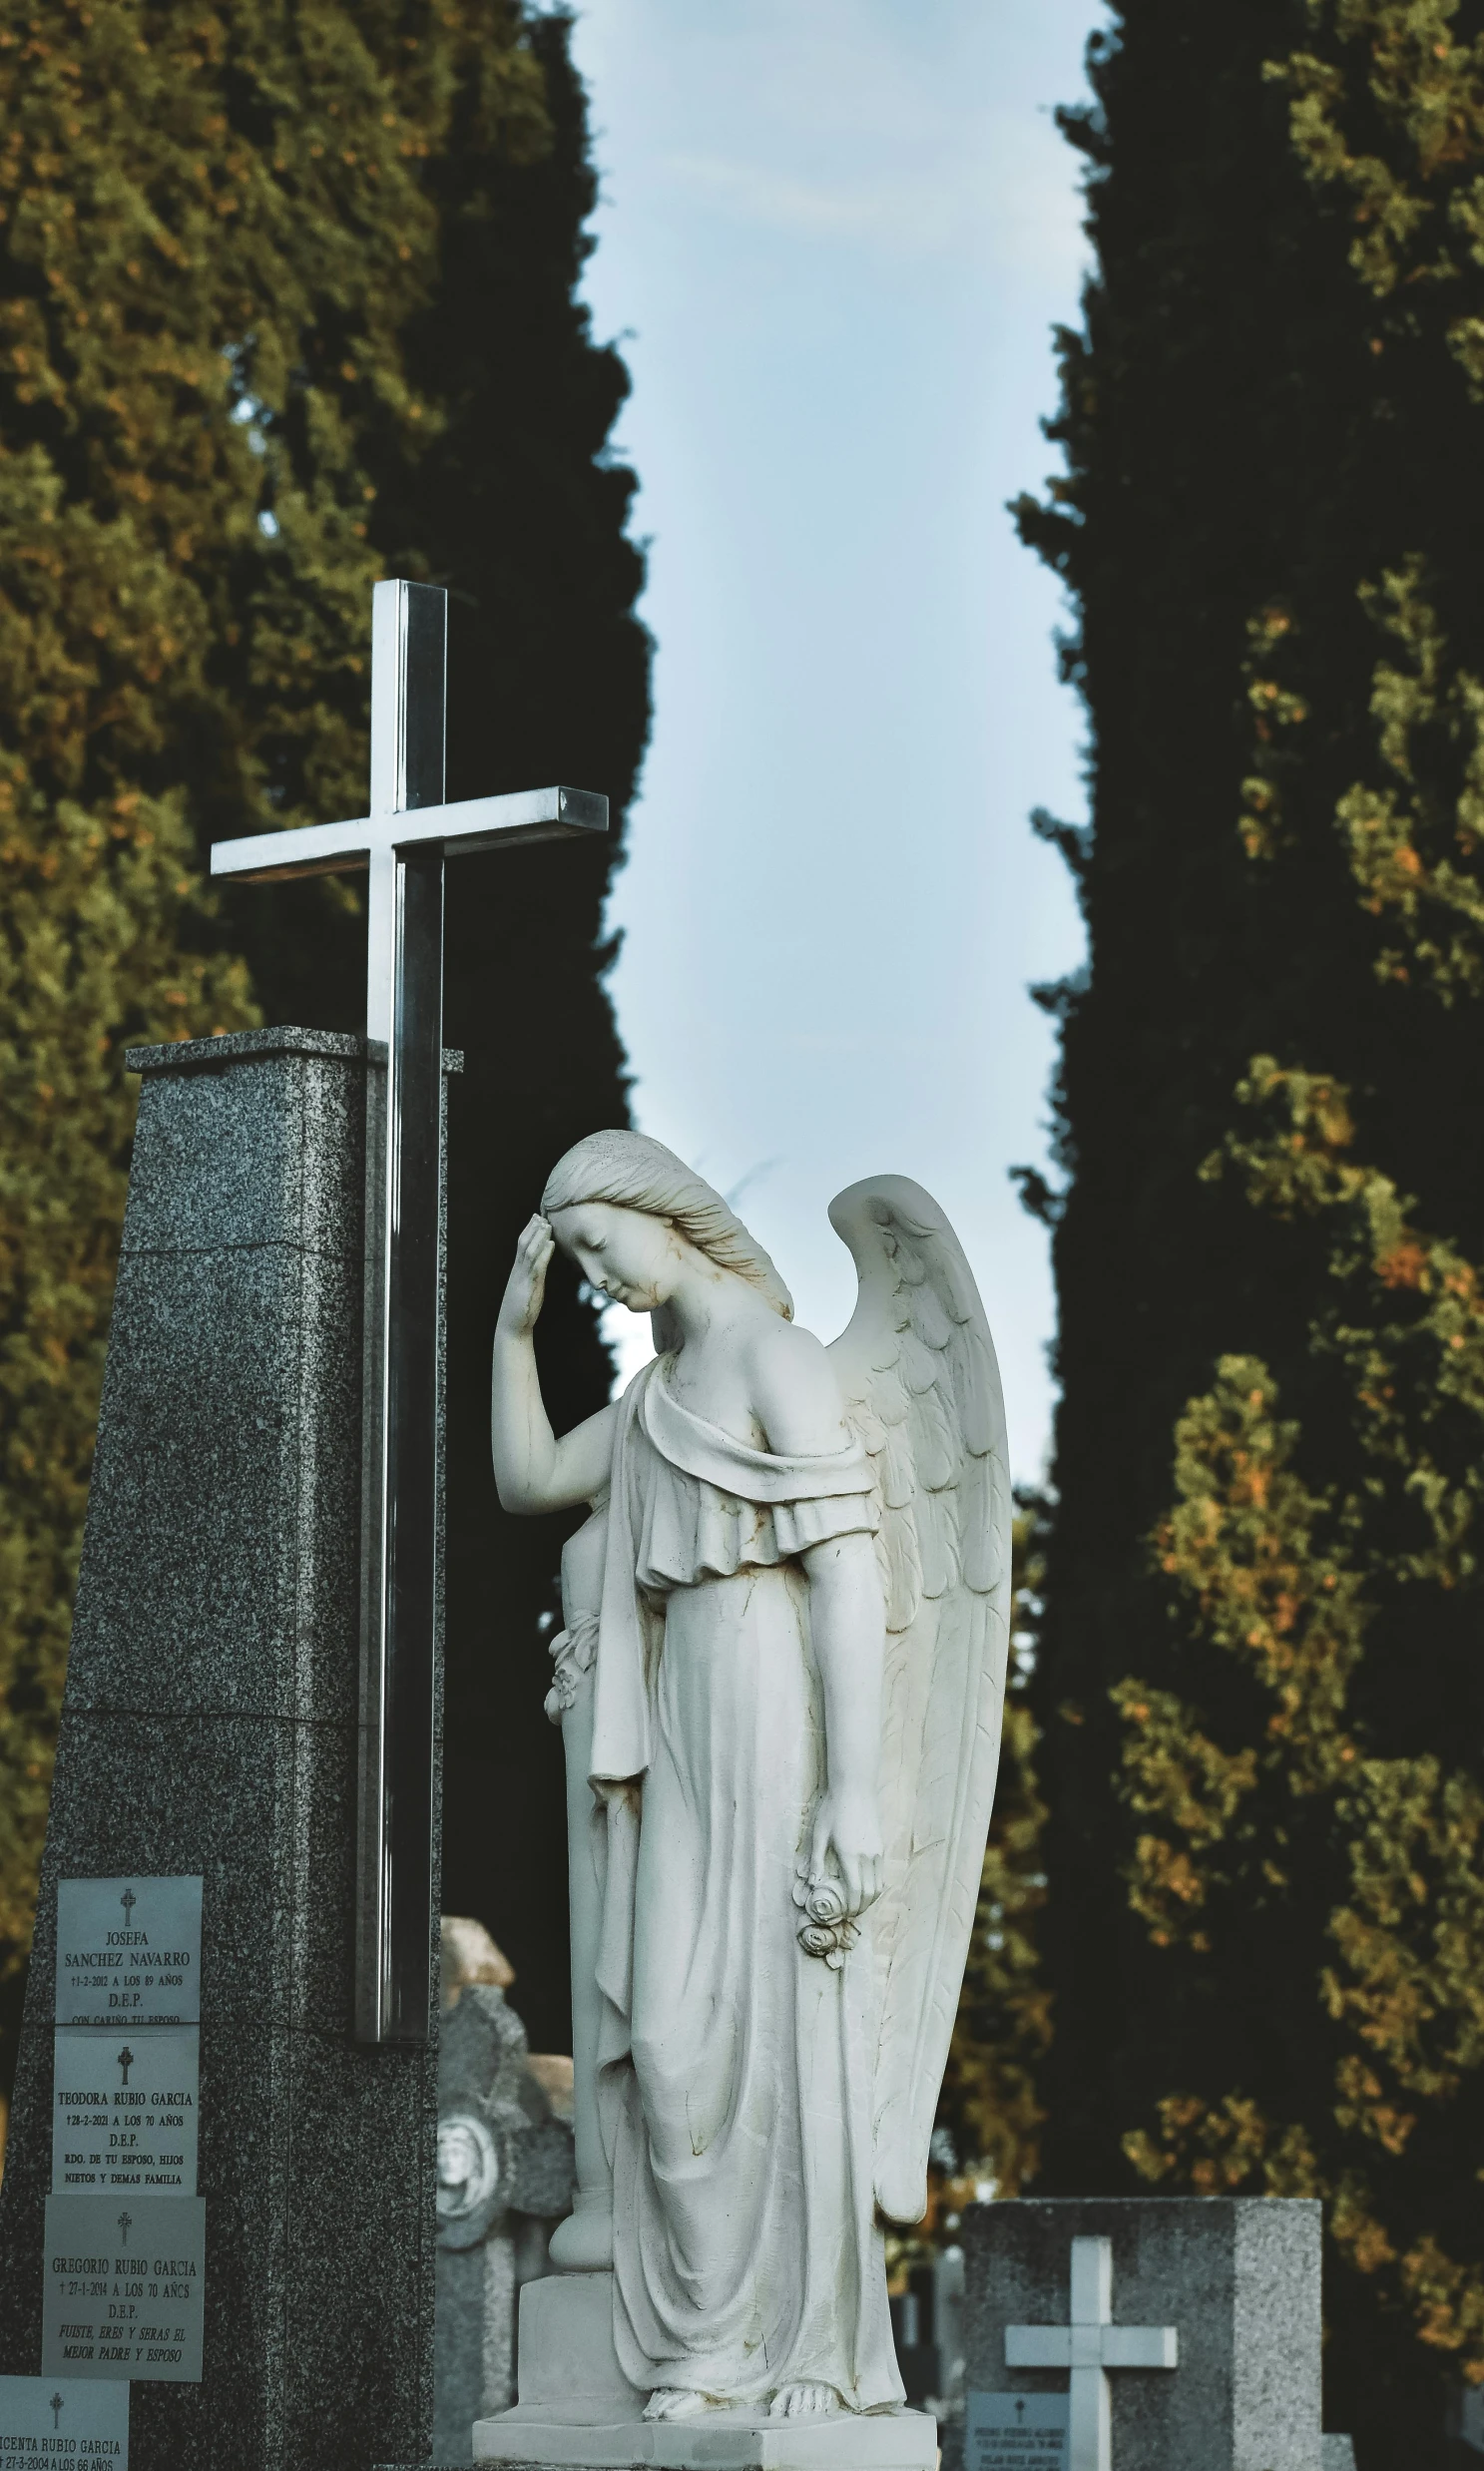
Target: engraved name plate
x=123, y=2109
x=1015, y=2432
x=64, y=2423
x=129, y=1951
x=125, y=2287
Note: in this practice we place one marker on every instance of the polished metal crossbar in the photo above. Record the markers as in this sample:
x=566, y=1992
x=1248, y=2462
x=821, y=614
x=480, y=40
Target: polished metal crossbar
x=402, y=845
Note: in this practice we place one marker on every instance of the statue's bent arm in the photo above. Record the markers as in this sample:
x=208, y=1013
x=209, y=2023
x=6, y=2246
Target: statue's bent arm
x=533, y=1470
x=795, y=1394
x=847, y=1627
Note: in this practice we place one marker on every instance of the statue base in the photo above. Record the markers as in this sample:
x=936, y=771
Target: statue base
x=722, y=2441
x=578, y=2411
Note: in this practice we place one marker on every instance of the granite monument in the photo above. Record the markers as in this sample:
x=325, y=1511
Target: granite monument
x=1145, y=2333
x=211, y=1734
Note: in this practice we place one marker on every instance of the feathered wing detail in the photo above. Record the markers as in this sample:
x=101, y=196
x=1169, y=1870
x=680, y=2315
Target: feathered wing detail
x=917, y=1368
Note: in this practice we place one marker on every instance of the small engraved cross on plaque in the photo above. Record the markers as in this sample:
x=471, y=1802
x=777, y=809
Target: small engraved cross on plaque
x=401, y=846
x=1088, y=2349
x=124, y=2223
x=128, y=1901
x=125, y=2060
x=56, y=2406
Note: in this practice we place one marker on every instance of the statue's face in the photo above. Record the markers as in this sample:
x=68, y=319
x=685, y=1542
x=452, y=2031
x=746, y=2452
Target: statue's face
x=624, y=1252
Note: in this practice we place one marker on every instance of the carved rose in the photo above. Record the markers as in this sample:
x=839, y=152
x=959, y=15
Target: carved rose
x=827, y=1930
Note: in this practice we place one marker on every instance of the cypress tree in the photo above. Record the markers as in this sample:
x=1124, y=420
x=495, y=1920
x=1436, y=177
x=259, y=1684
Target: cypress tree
x=1258, y=1678
x=285, y=303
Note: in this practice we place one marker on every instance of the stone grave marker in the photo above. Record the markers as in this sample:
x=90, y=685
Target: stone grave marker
x=125, y=2111
x=128, y=1952
x=67, y=2423
x=1159, y=2333
x=125, y=2289
x=506, y=2175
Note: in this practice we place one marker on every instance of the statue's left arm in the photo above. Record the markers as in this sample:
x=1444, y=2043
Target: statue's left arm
x=798, y=1402
x=849, y=1636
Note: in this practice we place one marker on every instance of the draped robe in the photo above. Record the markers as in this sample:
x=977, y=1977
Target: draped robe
x=734, y=2071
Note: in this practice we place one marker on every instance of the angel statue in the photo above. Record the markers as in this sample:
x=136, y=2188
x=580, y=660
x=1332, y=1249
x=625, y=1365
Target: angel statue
x=780, y=1683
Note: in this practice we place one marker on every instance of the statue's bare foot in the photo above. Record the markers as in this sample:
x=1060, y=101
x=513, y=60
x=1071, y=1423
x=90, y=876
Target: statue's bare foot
x=809, y=2399
x=675, y=2402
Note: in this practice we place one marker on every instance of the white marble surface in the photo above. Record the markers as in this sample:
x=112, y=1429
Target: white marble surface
x=724, y=2441
x=577, y=2410
x=779, y=1682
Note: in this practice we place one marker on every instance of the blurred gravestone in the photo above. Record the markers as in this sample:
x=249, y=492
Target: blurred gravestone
x=1172, y=2331
x=505, y=2179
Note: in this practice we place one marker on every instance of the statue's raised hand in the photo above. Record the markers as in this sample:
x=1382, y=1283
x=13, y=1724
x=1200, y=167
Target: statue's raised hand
x=525, y=1288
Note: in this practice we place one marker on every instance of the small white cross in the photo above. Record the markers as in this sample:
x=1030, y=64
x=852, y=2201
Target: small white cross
x=1088, y=2349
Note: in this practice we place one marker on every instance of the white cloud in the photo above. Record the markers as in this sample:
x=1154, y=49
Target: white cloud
x=888, y=125
x=1020, y=214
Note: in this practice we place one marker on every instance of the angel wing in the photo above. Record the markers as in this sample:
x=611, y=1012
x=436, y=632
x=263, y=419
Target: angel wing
x=922, y=1388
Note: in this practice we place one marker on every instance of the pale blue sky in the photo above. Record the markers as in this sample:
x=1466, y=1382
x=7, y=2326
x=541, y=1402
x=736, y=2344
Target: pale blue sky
x=833, y=240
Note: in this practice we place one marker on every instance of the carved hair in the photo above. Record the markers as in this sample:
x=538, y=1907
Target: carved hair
x=634, y=1173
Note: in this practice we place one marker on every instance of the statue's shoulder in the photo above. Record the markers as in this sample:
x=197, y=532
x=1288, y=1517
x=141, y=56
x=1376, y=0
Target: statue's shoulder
x=773, y=1340
x=796, y=1390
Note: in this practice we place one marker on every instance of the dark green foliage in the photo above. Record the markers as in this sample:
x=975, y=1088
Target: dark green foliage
x=1262, y=1731
x=313, y=264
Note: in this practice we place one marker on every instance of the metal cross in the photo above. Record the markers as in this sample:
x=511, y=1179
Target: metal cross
x=1088, y=2349
x=401, y=846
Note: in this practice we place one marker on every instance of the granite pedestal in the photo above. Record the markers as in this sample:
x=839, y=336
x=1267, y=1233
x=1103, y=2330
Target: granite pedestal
x=211, y=1725
x=1236, y=2279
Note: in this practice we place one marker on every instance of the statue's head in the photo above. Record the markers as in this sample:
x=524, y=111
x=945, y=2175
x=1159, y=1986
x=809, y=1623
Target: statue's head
x=625, y=1209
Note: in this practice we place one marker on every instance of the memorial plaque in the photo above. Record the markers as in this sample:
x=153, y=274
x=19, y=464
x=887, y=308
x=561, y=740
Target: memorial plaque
x=1015, y=2432
x=129, y=1951
x=64, y=2423
x=123, y=2109
x=125, y=2285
